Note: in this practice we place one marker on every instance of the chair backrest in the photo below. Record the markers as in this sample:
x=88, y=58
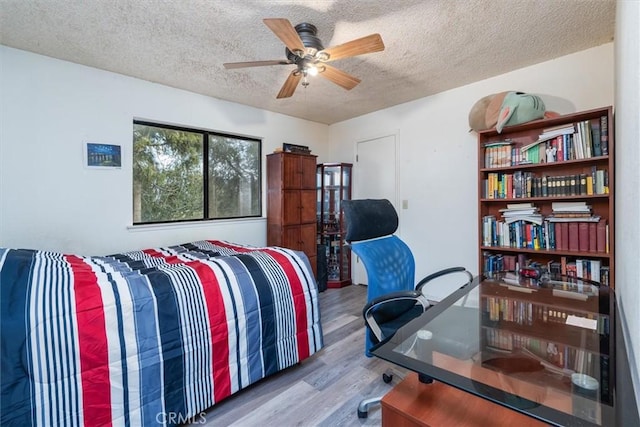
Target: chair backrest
x=389, y=264
x=388, y=261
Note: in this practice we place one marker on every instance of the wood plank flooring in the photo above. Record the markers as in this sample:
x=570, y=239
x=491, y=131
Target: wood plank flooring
x=325, y=389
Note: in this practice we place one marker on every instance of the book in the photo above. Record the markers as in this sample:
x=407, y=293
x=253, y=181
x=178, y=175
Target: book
x=589, y=180
x=570, y=206
x=583, y=184
x=594, y=269
x=604, y=275
x=592, y=218
x=595, y=137
x=593, y=241
x=564, y=230
x=560, y=243
x=601, y=236
x=583, y=236
x=560, y=146
x=558, y=130
x=516, y=206
x=600, y=182
x=536, y=219
x=588, y=143
x=573, y=237
x=571, y=215
x=604, y=135
x=519, y=212
x=528, y=147
x=498, y=143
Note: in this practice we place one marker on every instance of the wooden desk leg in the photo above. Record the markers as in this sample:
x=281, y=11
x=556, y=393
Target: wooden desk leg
x=414, y=404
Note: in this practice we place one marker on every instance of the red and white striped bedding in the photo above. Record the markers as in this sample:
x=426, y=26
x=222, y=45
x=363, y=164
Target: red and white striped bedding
x=151, y=337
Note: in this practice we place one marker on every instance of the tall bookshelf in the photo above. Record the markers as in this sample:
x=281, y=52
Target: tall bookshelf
x=559, y=173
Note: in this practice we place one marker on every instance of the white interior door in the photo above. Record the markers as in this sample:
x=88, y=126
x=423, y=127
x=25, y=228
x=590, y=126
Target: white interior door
x=374, y=177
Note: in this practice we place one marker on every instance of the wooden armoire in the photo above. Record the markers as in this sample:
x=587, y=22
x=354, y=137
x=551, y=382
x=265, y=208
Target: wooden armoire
x=291, y=203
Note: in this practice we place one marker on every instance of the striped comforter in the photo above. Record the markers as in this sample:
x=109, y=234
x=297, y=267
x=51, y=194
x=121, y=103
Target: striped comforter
x=152, y=337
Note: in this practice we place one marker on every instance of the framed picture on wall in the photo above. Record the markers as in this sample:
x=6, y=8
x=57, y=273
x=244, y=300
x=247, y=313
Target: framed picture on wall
x=98, y=155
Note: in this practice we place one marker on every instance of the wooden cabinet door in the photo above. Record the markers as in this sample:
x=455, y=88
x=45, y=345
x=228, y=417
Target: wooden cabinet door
x=300, y=238
x=308, y=210
x=298, y=207
x=308, y=238
x=290, y=207
x=308, y=172
x=292, y=171
x=291, y=238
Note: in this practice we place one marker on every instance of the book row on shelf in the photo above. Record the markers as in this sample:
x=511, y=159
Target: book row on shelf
x=522, y=184
x=582, y=140
x=558, y=358
x=574, y=236
x=528, y=314
x=582, y=268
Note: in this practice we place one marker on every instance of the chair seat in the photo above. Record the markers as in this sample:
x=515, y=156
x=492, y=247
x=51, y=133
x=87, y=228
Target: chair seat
x=390, y=327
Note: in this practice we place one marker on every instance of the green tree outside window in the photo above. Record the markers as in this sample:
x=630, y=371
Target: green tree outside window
x=185, y=174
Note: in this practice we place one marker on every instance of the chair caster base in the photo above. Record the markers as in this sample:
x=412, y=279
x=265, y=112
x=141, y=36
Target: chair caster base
x=363, y=407
x=387, y=378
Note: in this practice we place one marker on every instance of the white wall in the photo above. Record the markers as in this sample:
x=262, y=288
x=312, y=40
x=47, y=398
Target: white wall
x=49, y=108
x=628, y=177
x=438, y=156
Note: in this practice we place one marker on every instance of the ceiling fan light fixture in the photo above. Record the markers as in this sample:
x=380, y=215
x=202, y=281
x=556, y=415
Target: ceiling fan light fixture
x=312, y=70
x=322, y=56
x=304, y=49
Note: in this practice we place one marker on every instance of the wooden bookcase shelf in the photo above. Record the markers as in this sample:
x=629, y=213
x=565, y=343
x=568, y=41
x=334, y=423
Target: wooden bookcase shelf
x=548, y=252
x=576, y=167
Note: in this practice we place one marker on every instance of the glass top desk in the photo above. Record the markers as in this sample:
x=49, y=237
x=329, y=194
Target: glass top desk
x=545, y=349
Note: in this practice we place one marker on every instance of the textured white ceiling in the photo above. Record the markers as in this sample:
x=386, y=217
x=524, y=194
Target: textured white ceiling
x=431, y=45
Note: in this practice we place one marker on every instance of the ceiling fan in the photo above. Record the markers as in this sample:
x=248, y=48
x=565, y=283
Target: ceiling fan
x=305, y=50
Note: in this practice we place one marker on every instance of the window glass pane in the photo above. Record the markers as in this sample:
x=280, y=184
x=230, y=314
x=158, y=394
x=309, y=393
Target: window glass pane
x=167, y=175
x=234, y=177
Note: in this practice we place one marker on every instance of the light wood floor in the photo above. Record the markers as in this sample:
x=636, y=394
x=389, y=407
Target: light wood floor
x=325, y=389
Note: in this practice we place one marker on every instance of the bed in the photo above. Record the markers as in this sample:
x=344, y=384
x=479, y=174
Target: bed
x=150, y=337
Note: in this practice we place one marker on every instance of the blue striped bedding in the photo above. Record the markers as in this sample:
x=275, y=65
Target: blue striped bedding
x=151, y=337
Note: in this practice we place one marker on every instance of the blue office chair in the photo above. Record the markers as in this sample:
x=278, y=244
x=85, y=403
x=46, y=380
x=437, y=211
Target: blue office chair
x=393, y=298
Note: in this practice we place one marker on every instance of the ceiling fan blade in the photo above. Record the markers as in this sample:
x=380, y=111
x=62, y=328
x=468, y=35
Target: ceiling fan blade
x=369, y=44
x=339, y=77
x=290, y=85
x=286, y=32
x=229, y=65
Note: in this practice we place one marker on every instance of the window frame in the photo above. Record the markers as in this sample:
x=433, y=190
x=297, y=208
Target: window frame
x=206, y=133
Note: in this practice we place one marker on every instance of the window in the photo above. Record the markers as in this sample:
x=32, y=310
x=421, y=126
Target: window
x=184, y=174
